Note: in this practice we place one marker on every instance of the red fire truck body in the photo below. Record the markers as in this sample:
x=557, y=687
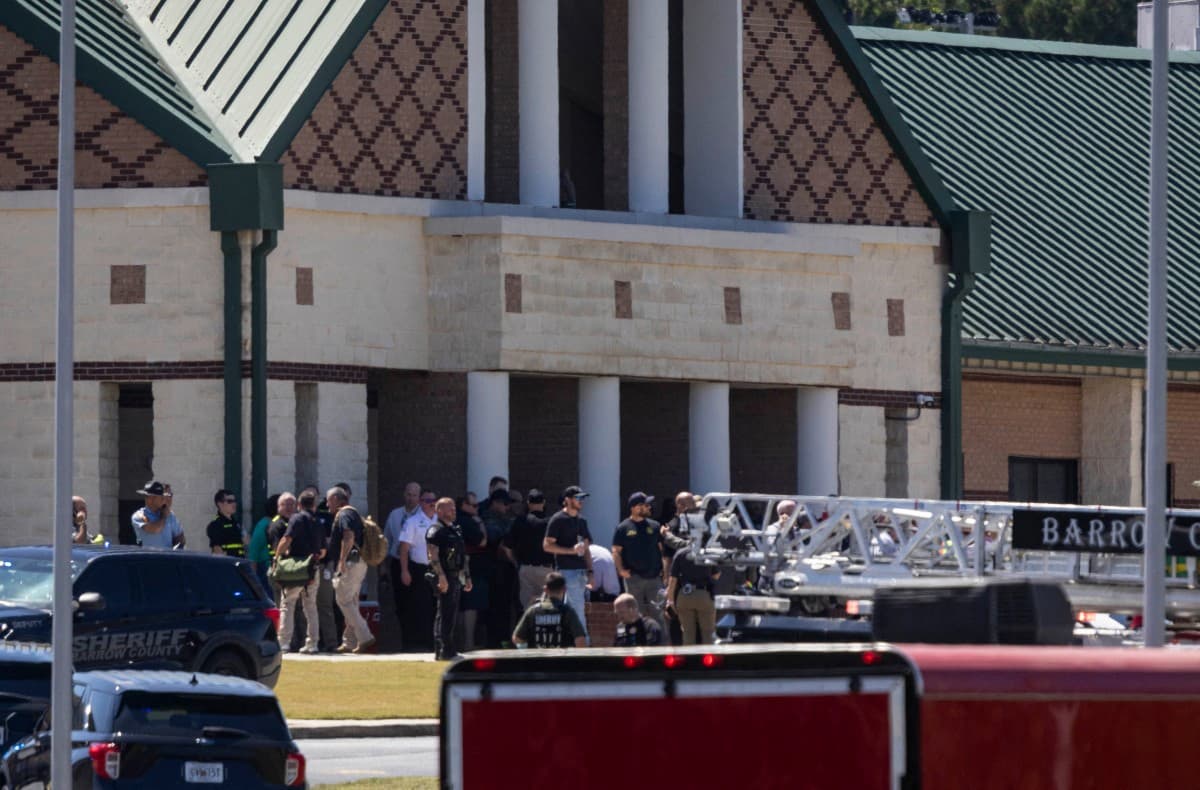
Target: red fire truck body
x=822, y=716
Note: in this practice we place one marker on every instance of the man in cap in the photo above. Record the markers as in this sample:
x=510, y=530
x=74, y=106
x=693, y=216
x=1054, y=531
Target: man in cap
x=551, y=622
x=638, y=554
x=525, y=540
x=155, y=525
x=567, y=540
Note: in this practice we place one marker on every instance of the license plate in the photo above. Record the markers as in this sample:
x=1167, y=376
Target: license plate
x=204, y=773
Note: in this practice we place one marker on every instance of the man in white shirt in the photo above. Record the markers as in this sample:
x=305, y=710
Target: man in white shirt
x=391, y=530
x=415, y=599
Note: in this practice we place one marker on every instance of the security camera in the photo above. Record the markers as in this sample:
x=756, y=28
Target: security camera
x=924, y=400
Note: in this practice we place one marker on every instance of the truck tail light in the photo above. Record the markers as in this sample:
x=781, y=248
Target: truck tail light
x=106, y=760
x=484, y=664
x=674, y=661
x=871, y=658
x=272, y=614
x=712, y=660
x=633, y=662
x=293, y=770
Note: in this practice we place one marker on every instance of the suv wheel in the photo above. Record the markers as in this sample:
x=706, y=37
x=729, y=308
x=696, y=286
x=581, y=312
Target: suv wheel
x=227, y=661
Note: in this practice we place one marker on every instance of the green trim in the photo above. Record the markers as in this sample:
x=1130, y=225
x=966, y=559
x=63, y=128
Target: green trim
x=952, y=310
x=231, y=251
x=246, y=196
x=178, y=132
x=1132, y=360
x=258, y=372
x=885, y=112
x=303, y=107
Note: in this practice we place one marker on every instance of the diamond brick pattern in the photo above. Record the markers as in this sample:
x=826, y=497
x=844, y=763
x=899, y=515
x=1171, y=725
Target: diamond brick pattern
x=813, y=152
x=112, y=149
x=394, y=121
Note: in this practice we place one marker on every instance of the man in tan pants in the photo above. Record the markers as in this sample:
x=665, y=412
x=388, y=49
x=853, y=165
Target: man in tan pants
x=346, y=541
x=689, y=597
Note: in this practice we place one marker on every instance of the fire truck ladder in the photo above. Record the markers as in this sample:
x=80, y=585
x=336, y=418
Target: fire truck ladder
x=848, y=547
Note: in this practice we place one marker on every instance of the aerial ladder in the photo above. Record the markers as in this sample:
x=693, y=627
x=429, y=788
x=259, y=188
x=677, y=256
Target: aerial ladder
x=846, y=548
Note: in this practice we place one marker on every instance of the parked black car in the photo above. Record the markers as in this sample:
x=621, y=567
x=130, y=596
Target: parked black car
x=148, y=608
x=24, y=689
x=152, y=729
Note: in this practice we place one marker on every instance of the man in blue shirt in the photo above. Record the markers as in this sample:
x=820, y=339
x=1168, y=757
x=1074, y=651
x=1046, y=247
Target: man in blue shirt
x=155, y=525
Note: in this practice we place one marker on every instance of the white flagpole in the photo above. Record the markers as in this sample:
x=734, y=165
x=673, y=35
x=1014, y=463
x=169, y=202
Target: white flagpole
x=64, y=413
x=1153, y=606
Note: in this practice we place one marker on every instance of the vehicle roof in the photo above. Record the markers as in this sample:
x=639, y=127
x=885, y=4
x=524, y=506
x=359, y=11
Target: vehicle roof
x=164, y=682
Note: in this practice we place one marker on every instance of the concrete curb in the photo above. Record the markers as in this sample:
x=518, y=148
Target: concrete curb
x=348, y=728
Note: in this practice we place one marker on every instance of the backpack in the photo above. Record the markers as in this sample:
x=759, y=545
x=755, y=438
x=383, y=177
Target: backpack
x=375, y=545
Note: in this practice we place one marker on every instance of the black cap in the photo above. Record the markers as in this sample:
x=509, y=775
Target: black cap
x=574, y=492
x=640, y=498
x=501, y=495
x=153, y=488
x=535, y=496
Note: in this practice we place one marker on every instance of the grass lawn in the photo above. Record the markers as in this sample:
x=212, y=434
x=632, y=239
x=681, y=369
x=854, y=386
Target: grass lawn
x=360, y=690
x=398, y=783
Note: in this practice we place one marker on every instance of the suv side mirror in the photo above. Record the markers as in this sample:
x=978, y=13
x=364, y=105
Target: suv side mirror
x=89, y=602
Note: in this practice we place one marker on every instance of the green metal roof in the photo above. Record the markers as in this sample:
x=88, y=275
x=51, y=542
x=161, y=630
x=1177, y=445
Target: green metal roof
x=221, y=80
x=1053, y=140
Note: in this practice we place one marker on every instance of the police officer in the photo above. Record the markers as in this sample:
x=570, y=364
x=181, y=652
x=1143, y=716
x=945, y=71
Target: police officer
x=637, y=551
x=451, y=575
x=633, y=628
x=551, y=622
x=689, y=597
x=225, y=534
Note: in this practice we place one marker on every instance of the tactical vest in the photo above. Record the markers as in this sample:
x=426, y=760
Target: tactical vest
x=550, y=625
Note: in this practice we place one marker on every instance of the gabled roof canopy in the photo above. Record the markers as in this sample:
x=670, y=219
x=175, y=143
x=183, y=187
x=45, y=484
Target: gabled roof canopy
x=1053, y=139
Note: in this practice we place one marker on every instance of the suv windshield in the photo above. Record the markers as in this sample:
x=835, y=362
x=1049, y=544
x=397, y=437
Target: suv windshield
x=27, y=581
x=144, y=712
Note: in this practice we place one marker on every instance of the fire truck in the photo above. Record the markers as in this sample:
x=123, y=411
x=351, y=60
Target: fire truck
x=865, y=716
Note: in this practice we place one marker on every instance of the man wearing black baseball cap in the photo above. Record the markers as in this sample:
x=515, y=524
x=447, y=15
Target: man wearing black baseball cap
x=525, y=540
x=155, y=525
x=567, y=541
x=638, y=554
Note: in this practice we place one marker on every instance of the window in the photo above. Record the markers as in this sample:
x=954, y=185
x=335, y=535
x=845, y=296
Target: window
x=110, y=579
x=159, y=583
x=1043, y=480
x=223, y=585
x=186, y=714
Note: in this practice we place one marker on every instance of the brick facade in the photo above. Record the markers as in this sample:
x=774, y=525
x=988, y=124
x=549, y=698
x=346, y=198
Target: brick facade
x=615, y=71
x=813, y=152
x=543, y=445
x=762, y=440
x=654, y=439
x=422, y=434
x=502, y=176
x=394, y=121
x=112, y=149
x=1038, y=418
x=1183, y=442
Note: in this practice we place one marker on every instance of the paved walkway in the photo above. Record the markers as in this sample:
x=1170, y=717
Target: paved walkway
x=364, y=657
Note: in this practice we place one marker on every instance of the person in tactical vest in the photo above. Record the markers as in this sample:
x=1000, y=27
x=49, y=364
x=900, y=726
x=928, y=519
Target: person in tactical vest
x=551, y=622
x=225, y=534
x=634, y=629
x=448, y=573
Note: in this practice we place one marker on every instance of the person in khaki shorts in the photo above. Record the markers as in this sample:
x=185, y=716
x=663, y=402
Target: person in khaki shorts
x=345, y=543
x=689, y=597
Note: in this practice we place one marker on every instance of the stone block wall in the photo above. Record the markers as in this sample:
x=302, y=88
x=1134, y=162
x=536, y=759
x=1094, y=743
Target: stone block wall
x=812, y=150
x=112, y=149
x=862, y=451
x=281, y=436
x=96, y=469
x=1002, y=417
x=342, y=439
x=189, y=449
x=1111, y=448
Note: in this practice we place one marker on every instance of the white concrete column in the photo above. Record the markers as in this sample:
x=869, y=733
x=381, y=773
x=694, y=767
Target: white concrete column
x=1113, y=424
x=649, y=106
x=862, y=451
x=476, y=97
x=537, y=78
x=712, y=107
x=342, y=440
x=816, y=441
x=487, y=428
x=282, y=431
x=600, y=454
x=708, y=437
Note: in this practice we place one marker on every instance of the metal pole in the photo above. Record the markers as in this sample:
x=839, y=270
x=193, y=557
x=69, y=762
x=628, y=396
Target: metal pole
x=1156, y=342
x=64, y=411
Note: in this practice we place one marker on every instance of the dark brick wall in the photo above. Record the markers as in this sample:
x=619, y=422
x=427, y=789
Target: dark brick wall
x=502, y=179
x=616, y=105
x=654, y=439
x=422, y=433
x=543, y=444
x=762, y=440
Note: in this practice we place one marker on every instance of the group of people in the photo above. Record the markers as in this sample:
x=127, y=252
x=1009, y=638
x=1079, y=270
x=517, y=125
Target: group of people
x=503, y=571
x=464, y=573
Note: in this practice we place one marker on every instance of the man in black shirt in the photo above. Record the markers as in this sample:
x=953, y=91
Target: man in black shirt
x=633, y=628
x=345, y=543
x=689, y=597
x=638, y=554
x=448, y=564
x=525, y=540
x=551, y=622
x=567, y=541
x=225, y=534
x=302, y=539
x=327, y=610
